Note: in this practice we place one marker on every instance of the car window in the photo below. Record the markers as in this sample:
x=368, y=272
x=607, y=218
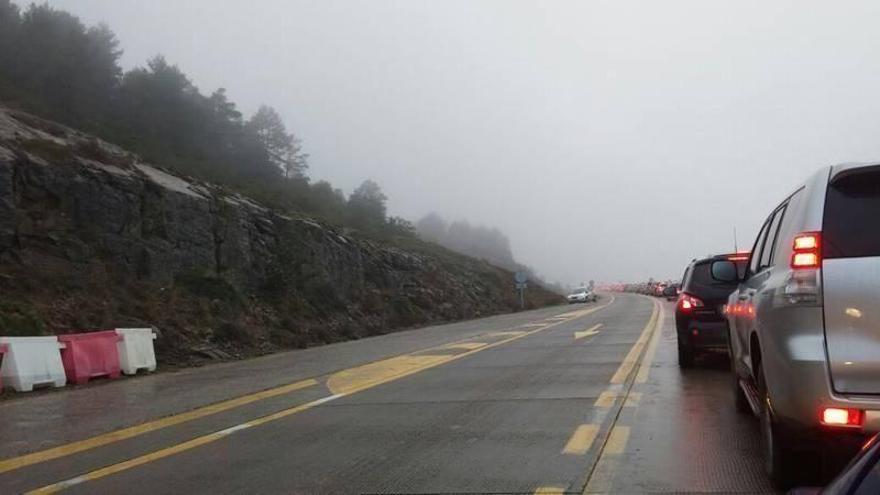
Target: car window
x=852, y=207
x=756, y=249
x=772, y=232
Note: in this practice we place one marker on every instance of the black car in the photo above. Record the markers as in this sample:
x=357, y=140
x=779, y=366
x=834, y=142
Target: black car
x=699, y=313
x=860, y=477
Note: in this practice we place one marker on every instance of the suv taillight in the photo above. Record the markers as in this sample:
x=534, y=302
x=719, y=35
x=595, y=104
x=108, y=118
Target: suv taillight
x=806, y=253
x=687, y=302
x=836, y=416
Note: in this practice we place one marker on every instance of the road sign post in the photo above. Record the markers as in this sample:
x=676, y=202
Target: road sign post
x=521, y=278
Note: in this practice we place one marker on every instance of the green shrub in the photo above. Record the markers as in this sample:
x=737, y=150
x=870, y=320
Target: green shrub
x=19, y=319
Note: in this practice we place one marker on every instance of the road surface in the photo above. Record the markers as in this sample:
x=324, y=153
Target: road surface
x=575, y=399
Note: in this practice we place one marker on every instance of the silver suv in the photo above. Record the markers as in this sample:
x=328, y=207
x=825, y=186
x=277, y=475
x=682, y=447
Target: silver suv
x=804, y=323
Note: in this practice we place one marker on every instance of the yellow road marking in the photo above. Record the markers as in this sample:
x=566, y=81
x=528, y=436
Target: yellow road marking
x=174, y=449
x=633, y=356
x=581, y=440
x=368, y=375
x=645, y=367
x=602, y=477
x=593, y=330
x=375, y=374
x=632, y=399
x=550, y=490
x=133, y=431
x=606, y=398
x=616, y=443
x=510, y=332
x=465, y=345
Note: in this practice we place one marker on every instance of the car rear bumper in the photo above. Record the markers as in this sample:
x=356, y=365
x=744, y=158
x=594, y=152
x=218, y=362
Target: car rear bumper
x=703, y=334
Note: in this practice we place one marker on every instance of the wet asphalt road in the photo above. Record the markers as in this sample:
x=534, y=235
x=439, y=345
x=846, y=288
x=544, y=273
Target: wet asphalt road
x=559, y=400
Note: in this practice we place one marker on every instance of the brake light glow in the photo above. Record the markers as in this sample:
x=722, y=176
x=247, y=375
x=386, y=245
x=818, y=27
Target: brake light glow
x=805, y=260
x=687, y=302
x=806, y=251
x=838, y=416
x=806, y=241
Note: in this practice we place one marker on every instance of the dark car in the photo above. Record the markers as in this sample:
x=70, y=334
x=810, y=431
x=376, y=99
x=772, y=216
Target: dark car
x=699, y=314
x=671, y=292
x=860, y=477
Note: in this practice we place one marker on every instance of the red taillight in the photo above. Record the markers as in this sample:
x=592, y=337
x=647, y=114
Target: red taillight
x=806, y=251
x=838, y=416
x=687, y=302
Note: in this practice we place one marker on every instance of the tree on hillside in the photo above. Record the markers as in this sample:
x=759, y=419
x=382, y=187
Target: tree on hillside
x=327, y=201
x=52, y=62
x=366, y=206
x=432, y=227
x=285, y=150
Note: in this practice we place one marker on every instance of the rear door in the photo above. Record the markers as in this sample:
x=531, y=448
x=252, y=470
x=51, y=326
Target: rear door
x=754, y=292
x=851, y=279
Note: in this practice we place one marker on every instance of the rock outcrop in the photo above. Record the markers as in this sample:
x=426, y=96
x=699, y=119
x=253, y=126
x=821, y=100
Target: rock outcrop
x=91, y=236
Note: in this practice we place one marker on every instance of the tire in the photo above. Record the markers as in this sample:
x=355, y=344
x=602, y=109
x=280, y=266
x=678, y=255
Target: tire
x=685, y=355
x=739, y=397
x=741, y=403
x=780, y=462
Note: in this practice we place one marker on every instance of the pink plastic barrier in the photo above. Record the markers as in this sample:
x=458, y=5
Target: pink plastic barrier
x=3, y=348
x=89, y=355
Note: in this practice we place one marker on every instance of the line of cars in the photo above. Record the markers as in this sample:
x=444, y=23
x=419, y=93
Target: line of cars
x=799, y=316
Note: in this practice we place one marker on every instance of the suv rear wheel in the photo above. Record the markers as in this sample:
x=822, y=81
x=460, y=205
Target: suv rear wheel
x=779, y=461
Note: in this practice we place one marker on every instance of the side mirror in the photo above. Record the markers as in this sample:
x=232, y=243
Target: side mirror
x=725, y=271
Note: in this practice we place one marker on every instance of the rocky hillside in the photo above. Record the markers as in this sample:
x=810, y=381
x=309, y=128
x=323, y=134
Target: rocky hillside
x=92, y=237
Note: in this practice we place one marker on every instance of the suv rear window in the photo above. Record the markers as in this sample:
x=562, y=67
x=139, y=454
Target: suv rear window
x=852, y=210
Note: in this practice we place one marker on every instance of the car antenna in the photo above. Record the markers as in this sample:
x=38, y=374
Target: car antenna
x=735, y=248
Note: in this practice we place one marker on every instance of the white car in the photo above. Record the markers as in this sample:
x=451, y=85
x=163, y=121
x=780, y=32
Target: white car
x=581, y=295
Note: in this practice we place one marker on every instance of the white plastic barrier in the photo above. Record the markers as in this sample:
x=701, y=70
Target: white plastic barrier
x=136, y=350
x=32, y=361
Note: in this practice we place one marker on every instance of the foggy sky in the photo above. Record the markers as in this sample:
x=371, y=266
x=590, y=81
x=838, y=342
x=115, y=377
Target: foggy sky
x=610, y=140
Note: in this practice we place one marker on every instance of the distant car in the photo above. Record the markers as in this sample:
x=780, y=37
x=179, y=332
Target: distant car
x=804, y=323
x=671, y=292
x=581, y=295
x=700, y=321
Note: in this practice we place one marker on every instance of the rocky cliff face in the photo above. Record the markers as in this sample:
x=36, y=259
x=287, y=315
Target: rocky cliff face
x=91, y=237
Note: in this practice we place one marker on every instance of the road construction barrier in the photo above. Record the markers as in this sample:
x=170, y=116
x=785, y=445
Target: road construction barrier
x=90, y=355
x=31, y=361
x=136, y=350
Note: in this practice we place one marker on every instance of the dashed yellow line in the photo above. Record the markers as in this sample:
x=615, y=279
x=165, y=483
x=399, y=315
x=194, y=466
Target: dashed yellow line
x=606, y=399
x=602, y=476
x=632, y=399
x=616, y=443
x=582, y=439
